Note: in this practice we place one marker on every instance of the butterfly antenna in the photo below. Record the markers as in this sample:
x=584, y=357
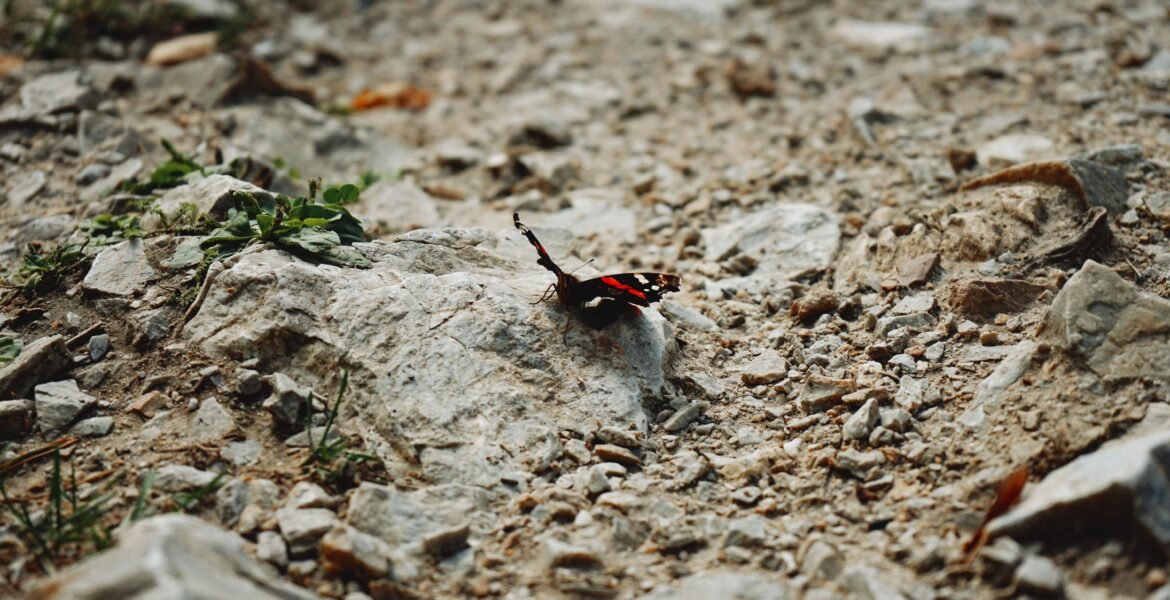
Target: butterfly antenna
x=581, y=267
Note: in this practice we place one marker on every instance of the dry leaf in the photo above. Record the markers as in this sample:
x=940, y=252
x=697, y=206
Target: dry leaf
x=1006, y=496
x=182, y=49
x=10, y=63
x=394, y=95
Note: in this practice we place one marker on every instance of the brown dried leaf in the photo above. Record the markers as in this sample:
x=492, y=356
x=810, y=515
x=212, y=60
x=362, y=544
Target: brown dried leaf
x=1006, y=496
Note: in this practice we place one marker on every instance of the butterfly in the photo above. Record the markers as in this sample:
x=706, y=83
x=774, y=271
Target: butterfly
x=602, y=300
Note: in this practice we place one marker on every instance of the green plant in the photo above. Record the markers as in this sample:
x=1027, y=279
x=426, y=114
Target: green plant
x=9, y=349
x=66, y=521
x=300, y=225
x=167, y=175
x=330, y=460
x=41, y=272
x=185, y=501
x=109, y=229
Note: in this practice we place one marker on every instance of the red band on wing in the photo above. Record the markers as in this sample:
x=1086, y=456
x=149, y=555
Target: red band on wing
x=613, y=283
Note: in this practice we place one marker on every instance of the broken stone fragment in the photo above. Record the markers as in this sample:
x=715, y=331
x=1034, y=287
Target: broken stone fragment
x=1124, y=480
x=173, y=556
x=1119, y=331
x=821, y=392
x=38, y=361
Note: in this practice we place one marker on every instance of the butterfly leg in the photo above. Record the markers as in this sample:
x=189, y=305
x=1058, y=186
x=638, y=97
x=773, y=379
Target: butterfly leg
x=548, y=292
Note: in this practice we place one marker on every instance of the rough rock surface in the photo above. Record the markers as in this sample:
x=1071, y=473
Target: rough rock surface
x=440, y=297
x=172, y=556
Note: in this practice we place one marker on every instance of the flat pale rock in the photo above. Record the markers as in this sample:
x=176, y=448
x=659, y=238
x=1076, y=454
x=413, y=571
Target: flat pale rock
x=120, y=270
x=172, y=557
x=1119, y=331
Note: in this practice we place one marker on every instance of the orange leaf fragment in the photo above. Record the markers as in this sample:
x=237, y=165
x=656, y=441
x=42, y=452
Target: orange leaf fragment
x=1006, y=496
x=393, y=95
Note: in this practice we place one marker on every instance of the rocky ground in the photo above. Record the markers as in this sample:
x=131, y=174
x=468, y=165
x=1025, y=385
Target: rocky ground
x=923, y=250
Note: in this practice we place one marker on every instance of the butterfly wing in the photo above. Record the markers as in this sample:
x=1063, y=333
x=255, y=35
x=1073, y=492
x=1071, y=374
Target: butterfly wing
x=641, y=289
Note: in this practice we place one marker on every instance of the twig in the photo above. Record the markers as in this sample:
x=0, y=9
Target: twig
x=16, y=462
x=84, y=335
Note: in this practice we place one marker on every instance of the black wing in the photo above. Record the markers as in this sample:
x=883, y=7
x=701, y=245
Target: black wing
x=635, y=288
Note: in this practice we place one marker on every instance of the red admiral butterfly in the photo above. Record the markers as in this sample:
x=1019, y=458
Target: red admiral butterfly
x=602, y=300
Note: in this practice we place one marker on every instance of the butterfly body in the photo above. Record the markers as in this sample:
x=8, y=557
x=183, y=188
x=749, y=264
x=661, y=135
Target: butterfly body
x=600, y=301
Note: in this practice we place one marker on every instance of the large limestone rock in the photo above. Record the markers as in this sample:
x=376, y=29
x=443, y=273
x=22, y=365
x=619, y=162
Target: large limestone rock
x=453, y=369
x=172, y=557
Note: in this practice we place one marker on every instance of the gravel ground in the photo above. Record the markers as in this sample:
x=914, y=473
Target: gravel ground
x=923, y=261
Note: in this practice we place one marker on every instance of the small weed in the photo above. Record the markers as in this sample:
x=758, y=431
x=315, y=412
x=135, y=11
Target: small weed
x=66, y=522
x=111, y=229
x=330, y=461
x=368, y=178
x=43, y=272
x=9, y=349
x=300, y=225
x=185, y=501
x=172, y=173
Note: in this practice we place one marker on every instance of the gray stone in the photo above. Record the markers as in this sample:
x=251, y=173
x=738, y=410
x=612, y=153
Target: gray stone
x=737, y=586
x=860, y=464
x=686, y=316
x=93, y=427
x=784, y=239
x=38, y=361
x=822, y=561
x=313, y=142
x=595, y=480
x=212, y=421
x=820, y=393
x=557, y=553
x=865, y=582
x=1126, y=479
x=918, y=320
x=683, y=417
x=1039, y=575
x=91, y=173
x=306, y=494
x=56, y=92
x=270, y=548
x=618, y=436
x=597, y=212
x=124, y=171
x=315, y=435
x=862, y=422
x=439, y=297
x=120, y=270
x=406, y=520
x=1007, y=150
x=289, y=401
x=989, y=391
x=768, y=367
x=446, y=542
x=173, y=556
x=16, y=419
x=24, y=186
x=896, y=419
x=241, y=454
x=58, y=404
x=211, y=195
x=173, y=478
x=302, y=528
x=349, y=552
x=49, y=227
x=248, y=381
x=878, y=34
x=457, y=155
x=98, y=346
x=747, y=532
x=909, y=396
x=543, y=131
x=1115, y=328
